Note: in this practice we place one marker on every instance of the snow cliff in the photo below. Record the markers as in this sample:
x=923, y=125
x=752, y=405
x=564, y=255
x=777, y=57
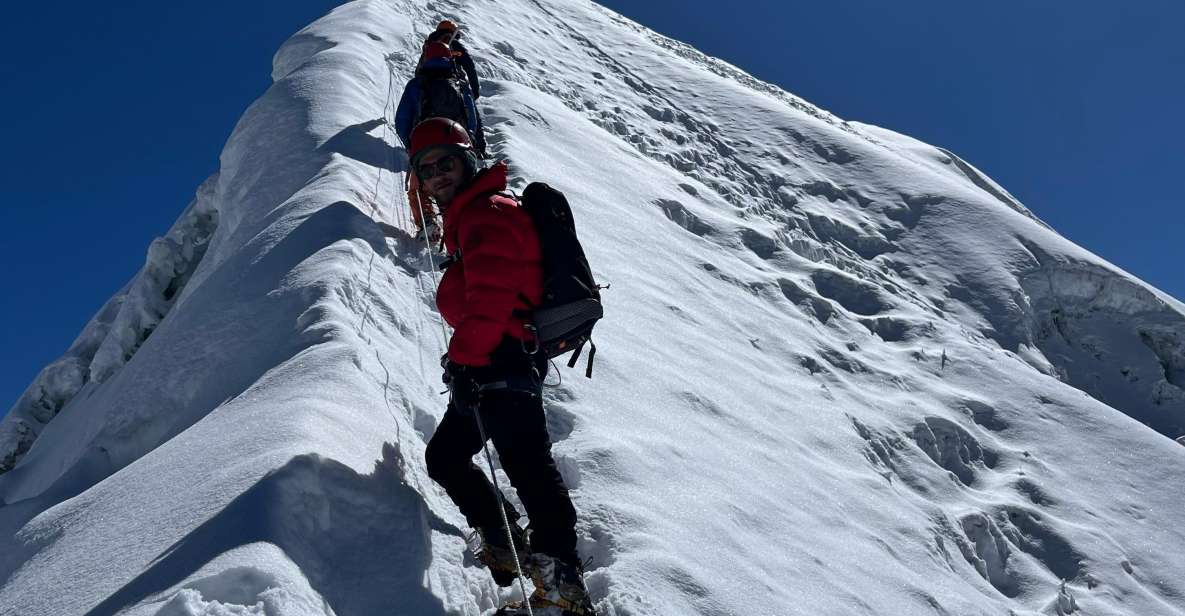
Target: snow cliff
x=842, y=371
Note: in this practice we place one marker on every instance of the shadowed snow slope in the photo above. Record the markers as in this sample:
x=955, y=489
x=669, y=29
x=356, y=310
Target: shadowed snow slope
x=841, y=372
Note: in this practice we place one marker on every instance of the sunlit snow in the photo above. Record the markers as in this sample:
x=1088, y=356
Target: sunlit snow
x=841, y=372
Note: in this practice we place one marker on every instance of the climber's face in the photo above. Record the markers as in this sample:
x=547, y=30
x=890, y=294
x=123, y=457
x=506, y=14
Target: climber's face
x=440, y=174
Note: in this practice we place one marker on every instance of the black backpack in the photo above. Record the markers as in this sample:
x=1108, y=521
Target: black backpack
x=571, y=304
x=441, y=96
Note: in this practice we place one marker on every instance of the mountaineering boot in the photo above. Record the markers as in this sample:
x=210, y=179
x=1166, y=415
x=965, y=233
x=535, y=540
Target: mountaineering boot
x=559, y=587
x=540, y=607
x=490, y=548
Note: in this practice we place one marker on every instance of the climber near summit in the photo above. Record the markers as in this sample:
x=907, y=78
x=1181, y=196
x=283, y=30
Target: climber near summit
x=445, y=85
x=495, y=373
x=448, y=33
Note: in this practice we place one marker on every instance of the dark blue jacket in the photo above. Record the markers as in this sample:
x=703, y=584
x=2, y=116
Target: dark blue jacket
x=410, y=103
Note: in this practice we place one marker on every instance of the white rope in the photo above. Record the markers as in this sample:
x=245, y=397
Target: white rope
x=502, y=509
x=400, y=212
x=431, y=260
x=419, y=205
x=387, y=122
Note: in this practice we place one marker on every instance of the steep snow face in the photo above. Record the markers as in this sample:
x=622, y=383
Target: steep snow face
x=842, y=371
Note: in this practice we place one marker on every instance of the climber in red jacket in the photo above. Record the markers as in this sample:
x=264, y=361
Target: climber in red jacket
x=495, y=374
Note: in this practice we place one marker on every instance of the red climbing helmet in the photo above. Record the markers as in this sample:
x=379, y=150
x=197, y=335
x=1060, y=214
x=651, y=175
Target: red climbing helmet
x=446, y=26
x=438, y=133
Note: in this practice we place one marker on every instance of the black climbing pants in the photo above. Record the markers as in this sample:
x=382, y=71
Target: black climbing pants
x=515, y=422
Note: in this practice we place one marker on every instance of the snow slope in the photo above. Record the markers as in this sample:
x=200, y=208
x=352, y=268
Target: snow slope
x=842, y=371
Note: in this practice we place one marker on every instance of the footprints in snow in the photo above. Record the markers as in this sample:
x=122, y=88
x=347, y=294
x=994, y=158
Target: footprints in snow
x=894, y=329
x=945, y=443
x=984, y=546
x=865, y=300
x=867, y=243
x=863, y=290
x=909, y=212
x=953, y=448
x=760, y=245
x=815, y=306
x=1034, y=492
x=984, y=414
x=833, y=193
x=833, y=154
x=856, y=296
x=993, y=544
x=1033, y=533
x=655, y=124
x=507, y=50
x=1012, y=546
x=678, y=213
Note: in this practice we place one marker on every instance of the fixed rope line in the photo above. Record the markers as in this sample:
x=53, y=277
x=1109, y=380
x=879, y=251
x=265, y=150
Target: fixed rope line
x=419, y=202
x=400, y=216
x=387, y=121
x=431, y=259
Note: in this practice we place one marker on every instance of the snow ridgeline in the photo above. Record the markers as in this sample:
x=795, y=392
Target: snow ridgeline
x=842, y=371
x=117, y=331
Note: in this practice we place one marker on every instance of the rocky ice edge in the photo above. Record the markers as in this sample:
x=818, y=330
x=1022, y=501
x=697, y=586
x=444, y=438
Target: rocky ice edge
x=111, y=338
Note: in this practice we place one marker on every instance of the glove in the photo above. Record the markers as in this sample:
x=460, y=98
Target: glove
x=464, y=382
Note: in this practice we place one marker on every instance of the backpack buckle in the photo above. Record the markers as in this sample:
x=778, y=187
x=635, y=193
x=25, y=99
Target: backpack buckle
x=533, y=335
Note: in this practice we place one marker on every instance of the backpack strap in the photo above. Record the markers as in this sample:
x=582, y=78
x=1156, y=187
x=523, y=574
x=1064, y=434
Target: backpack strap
x=592, y=353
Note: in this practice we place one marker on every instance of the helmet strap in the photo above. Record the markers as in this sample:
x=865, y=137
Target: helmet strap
x=472, y=164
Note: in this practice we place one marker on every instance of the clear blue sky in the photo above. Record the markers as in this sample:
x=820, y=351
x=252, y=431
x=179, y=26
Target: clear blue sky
x=115, y=111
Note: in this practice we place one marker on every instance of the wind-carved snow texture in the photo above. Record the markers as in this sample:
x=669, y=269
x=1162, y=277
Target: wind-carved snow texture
x=847, y=365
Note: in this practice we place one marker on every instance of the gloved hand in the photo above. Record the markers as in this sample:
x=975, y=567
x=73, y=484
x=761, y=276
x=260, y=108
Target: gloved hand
x=464, y=382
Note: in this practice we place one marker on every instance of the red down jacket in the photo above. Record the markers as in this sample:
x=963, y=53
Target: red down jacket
x=498, y=273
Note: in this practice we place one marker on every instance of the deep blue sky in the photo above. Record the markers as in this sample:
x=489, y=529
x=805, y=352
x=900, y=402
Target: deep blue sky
x=115, y=111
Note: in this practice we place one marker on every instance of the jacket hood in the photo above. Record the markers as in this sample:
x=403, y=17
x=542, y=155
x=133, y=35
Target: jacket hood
x=491, y=180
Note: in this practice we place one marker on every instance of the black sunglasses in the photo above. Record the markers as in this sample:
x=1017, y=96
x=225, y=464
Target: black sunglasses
x=427, y=171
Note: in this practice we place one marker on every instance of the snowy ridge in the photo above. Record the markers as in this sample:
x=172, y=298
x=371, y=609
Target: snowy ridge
x=842, y=371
